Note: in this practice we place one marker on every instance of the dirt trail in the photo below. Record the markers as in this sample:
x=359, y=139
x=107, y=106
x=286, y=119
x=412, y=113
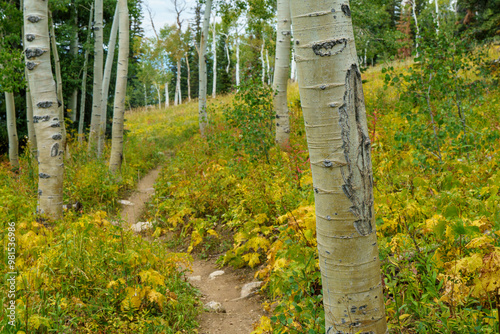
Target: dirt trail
x=239, y=314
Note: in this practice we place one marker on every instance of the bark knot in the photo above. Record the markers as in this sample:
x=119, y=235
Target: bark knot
x=346, y=10
x=34, y=52
x=30, y=37
x=34, y=18
x=325, y=49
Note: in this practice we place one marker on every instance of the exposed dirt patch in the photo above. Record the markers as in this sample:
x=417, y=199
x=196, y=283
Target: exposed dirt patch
x=240, y=313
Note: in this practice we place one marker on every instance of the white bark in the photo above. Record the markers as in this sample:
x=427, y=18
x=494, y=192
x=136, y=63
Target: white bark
x=263, y=62
x=57, y=65
x=281, y=72
x=107, y=78
x=45, y=109
x=214, y=54
x=188, y=78
x=437, y=16
x=157, y=86
x=237, y=61
x=12, y=130
x=167, y=98
x=417, y=37
x=29, y=106
x=84, y=80
x=340, y=154
x=116, y=157
x=73, y=101
x=202, y=106
x=293, y=70
x=268, y=68
x=95, y=122
x=178, y=95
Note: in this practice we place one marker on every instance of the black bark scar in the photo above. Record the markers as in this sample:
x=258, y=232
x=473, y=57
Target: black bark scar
x=324, y=49
x=357, y=174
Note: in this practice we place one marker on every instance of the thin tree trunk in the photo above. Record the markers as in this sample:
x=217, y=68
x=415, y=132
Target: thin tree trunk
x=107, y=78
x=226, y=47
x=115, y=161
x=237, y=61
x=293, y=70
x=188, y=78
x=73, y=50
x=178, y=94
x=95, y=122
x=340, y=154
x=45, y=109
x=263, y=62
x=12, y=130
x=202, y=107
x=437, y=16
x=268, y=68
x=84, y=80
x=59, y=89
x=167, y=97
x=145, y=97
x=417, y=37
x=281, y=72
x=214, y=53
x=157, y=86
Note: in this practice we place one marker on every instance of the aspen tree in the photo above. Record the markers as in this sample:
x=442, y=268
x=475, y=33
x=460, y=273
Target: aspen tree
x=73, y=50
x=202, y=106
x=12, y=130
x=95, y=121
x=45, y=109
x=188, y=78
x=84, y=80
x=214, y=55
x=281, y=72
x=340, y=155
x=57, y=66
x=107, y=78
x=115, y=161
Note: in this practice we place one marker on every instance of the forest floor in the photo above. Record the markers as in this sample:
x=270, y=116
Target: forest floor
x=236, y=315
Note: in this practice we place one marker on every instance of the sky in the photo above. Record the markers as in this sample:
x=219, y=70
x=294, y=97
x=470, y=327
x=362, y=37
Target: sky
x=163, y=13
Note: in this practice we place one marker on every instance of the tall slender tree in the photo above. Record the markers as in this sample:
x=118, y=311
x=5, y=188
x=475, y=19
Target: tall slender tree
x=84, y=80
x=12, y=130
x=202, y=96
x=45, y=109
x=340, y=153
x=115, y=161
x=95, y=121
x=281, y=74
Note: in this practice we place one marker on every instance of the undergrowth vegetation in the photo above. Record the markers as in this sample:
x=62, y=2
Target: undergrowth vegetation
x=437, y=209
x=84, y=274
x=234, y=193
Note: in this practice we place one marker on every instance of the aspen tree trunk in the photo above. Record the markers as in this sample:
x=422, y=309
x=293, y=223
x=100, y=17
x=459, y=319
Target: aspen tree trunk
x=226, y=47
x=340, y=155
x=115, y=161
x=214, y=52
x=437, y=16
x=293, y=70
x=237, y=61
x=188, y=78
x=159, y=95
x=417, y=38
x=178, y=95
x=202, y=100
x=268, y=68
x=95, y=121
x=57, y=65
x=107, y=78
x=281, y=72
x=45, y=109
x=84, y=80
x=73, y=50
x=29, y=120
x=12, y=130
x=29, y=105
x=263, y=62
x=167, y=97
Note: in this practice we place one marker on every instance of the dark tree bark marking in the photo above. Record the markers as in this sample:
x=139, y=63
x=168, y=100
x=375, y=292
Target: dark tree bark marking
x=324, y=49
x=357, y=174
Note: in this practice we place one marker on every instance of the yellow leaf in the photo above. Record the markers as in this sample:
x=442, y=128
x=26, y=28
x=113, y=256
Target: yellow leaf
x=403, y=316
x=252, y=259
